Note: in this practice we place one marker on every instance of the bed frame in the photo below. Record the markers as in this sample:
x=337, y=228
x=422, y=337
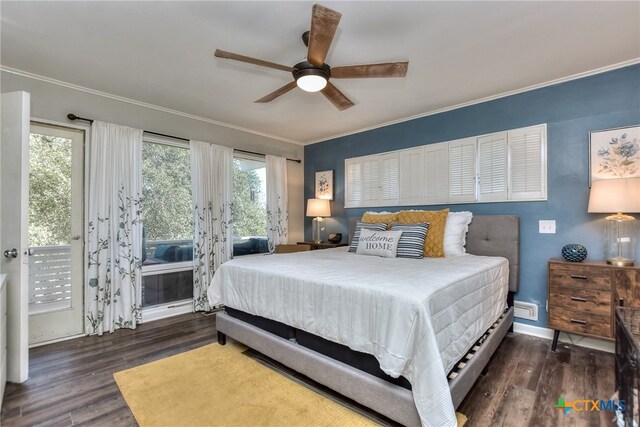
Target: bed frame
x=488, y=235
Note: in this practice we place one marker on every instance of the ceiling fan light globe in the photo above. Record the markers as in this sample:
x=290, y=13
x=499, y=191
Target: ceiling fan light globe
x=311, y=83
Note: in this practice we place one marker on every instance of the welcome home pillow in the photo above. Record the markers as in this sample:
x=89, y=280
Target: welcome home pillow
x=356, y=235
x=380, y=243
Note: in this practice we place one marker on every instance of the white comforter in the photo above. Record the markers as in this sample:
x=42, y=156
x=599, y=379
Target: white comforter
x=417, y=317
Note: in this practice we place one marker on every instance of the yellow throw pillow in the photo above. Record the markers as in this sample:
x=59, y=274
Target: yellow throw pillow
x=434, y=243
x=373, y=217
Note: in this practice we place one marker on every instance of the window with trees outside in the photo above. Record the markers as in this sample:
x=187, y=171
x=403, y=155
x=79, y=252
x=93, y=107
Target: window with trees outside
x=167, y=257
x=249, y=206
x=168, y=219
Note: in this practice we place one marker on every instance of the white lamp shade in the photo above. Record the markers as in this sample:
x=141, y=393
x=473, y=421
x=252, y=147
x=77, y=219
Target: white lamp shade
x=318, y=207
x=615, y=195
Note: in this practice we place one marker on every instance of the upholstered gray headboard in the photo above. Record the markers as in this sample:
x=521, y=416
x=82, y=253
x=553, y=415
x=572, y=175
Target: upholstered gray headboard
x=497, y=235
x=489, y=235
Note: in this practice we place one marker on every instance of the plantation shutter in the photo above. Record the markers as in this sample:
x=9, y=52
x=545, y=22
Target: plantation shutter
x=353, y=183
x=436, y=163
x=492, y=167
x=370, y=177
x=527, y=173
x=390, y=178
x=462, y=170
x=411, y=176
x=502, y=166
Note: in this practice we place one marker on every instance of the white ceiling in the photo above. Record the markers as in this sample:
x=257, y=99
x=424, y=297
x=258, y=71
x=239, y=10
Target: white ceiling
x=161, y=53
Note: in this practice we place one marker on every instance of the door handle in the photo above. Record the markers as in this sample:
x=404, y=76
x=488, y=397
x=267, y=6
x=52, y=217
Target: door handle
x=76, y=237
x=11, y=253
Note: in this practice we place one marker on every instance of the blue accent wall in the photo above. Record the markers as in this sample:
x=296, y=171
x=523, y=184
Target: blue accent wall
x=571, y=110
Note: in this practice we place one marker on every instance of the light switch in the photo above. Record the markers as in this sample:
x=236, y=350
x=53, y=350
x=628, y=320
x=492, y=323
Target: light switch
x=547, y=226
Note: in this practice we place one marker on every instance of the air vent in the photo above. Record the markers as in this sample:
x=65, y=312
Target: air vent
x=525, y=310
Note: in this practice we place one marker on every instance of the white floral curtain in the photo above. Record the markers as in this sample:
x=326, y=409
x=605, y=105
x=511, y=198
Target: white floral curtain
x=113, y=292
x=277, y=211
x=212, y=193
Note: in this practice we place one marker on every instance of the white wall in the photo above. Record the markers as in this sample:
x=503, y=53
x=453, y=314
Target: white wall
x=53, y=102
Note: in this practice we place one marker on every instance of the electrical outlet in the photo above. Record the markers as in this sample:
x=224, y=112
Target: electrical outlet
x=547, y=226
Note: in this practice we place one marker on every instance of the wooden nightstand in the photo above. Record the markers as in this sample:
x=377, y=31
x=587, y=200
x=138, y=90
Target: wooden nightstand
x=323, y=245
x=582, y=296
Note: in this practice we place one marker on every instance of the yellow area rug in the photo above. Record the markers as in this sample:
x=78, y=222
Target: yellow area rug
x=217, y=385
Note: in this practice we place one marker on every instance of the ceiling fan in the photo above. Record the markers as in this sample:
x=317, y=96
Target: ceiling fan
x=313, y=74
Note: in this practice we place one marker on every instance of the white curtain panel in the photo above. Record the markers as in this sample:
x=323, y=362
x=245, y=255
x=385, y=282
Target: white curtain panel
x=113, y=291
x=277, y=202
x=212, y=193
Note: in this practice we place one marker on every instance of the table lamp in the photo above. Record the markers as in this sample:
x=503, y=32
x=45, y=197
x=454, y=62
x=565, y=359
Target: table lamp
x=622, y=196
x=318, y=208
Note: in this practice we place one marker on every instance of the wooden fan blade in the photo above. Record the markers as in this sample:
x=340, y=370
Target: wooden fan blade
x=276, y=93
x=336, y=97
x=228, y=55
x=324, y=23
x=387, y=69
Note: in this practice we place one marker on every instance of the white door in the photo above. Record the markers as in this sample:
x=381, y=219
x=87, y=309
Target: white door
x=56, y=302
x=14, y=261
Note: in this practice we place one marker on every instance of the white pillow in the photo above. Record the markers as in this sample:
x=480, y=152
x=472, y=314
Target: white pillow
x=455, y=232
x=380, y=243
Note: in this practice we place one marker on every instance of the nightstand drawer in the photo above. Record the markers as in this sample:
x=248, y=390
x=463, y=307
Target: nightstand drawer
x=583, y=322
x=579, y=276
x=584, y=300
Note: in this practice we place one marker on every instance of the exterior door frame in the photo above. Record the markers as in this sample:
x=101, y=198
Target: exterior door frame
x=76, y=215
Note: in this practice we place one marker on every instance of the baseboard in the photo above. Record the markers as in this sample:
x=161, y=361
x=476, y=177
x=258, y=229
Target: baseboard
x=167, y=310
x=579, y=340
x=71, y=337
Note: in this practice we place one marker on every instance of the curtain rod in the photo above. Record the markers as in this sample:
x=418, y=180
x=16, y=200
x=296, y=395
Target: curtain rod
x=73, y=117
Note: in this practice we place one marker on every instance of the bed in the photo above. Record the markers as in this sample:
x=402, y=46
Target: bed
x=379, y=331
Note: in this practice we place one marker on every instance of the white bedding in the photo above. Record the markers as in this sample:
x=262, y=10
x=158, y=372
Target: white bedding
x=417, y=317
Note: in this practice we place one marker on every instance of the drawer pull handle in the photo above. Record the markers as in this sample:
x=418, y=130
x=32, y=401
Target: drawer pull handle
x=578, y=299
x=578, y=276
x=581, y=322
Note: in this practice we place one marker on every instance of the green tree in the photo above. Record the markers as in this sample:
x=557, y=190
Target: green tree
x=166, y=190
x=49, y=190
x=249, y=210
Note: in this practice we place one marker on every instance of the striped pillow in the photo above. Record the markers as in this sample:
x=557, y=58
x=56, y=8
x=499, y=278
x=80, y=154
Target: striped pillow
x=382, y=226
x=411, y=244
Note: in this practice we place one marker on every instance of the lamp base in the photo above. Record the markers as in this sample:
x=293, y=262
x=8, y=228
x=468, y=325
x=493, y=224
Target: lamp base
x=620, y=232
x=317, y=229
x=621, y=262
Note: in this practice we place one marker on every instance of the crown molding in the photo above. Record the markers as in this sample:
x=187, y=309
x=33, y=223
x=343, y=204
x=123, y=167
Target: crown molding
x=486, y=99
x=50, y=80
x=353, y=132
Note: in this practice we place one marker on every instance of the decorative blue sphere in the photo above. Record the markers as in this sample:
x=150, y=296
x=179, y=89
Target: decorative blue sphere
x=574, y=252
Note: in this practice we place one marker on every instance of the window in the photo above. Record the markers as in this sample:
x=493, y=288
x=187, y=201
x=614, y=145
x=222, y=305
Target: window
x=499, y=167
x=166, y=209
x=167, y=215
x=372, y=180
x=462, y=170
x=249, y=206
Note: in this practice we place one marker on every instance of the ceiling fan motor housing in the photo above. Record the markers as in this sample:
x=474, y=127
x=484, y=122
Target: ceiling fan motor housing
x=305, y=68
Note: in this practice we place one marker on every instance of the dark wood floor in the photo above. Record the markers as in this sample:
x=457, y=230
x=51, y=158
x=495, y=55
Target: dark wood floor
x=71, y=383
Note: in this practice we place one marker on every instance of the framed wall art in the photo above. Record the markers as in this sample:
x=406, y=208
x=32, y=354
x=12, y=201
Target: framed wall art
x=614, y=153
x=324, y=185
